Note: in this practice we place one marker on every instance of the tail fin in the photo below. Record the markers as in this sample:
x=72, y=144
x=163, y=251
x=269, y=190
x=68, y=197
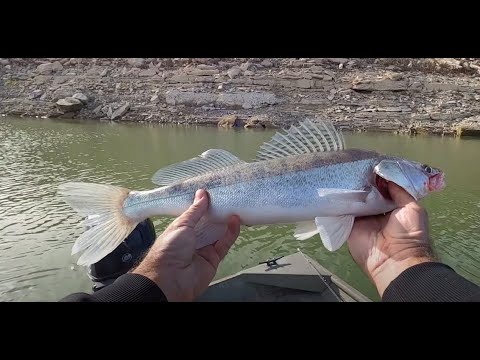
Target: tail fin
x=108, y=228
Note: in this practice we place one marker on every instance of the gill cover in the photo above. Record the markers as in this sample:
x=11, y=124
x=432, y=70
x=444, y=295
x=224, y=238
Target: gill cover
x=405, y=174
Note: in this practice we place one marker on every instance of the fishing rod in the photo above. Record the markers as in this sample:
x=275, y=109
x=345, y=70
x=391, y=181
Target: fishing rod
x=321, y=276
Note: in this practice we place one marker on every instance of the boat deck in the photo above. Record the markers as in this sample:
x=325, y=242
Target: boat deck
x=292, y=278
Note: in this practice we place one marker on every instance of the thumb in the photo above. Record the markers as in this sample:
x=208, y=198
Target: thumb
x=399, y=195
x=195, y=212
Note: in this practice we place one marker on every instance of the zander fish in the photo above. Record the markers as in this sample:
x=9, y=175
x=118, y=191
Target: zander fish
x=304, y=176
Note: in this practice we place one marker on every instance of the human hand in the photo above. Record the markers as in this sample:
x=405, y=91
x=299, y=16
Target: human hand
x=385, y=245
x=173, y=263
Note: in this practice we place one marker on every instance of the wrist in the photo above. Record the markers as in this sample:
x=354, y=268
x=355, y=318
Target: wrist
x=164, y=276
x=394, y=265
x=148, y=269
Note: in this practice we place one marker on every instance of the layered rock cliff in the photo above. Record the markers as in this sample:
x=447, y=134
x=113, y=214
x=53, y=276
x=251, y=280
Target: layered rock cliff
x=395, y=95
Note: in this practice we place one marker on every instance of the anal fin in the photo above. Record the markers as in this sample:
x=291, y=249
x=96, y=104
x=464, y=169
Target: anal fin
x=305, y=230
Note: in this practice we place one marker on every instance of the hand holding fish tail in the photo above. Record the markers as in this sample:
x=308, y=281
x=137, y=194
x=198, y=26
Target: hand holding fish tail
x=386, y=245
x=180, y=270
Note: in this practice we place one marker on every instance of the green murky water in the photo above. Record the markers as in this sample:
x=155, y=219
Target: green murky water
x=37, y=230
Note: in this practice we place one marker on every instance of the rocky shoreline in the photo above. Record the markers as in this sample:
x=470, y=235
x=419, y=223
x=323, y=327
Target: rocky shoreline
x=435, y=96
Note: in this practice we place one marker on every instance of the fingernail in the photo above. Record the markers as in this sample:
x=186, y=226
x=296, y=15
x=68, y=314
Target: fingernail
x=199, y=194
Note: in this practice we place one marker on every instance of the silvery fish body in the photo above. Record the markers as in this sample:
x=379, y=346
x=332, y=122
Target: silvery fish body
x=305, y=177
x=283, y=190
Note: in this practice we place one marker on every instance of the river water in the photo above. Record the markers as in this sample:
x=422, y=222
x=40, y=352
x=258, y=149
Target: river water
x=37, y=230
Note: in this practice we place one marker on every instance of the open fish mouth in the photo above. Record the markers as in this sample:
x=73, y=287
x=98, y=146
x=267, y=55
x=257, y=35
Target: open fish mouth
x=437, y=182
x=382, y=187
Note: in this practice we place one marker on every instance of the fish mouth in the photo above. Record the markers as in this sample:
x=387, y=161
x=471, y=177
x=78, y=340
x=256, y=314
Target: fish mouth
x=382, y=187
x=436, y=182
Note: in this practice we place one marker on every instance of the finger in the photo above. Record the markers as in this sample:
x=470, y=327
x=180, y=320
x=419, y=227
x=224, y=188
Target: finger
x=233, y=230
x=399, y=195
x=195, y=212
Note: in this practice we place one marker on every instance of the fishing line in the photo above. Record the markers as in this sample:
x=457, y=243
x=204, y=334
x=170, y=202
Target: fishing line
x=321, y=277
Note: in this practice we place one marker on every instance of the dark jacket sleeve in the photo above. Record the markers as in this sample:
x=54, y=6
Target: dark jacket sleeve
x=429, y=282
x=127, y=288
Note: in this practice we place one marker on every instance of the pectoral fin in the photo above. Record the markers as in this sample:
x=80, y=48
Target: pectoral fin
x=334, y=231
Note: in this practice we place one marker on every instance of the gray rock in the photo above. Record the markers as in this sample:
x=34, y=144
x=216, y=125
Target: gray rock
x=337, y=60
x=69, y=104
x=382, y=85
x=245, y=100
x=206, y=67
x=174, y=97
x=74, y=61
x=416, y=86
x=233, y=72
x=394, y=76
x=35, y=94
x=155, y=99
x=390, y=109
x=82, y=97
x=245, y=66
x=259, y=121
x=229, y=121
x=98, y=110
x=202, y=72
x=304, y=83
x=109, y=112
x=59, y=80
x=63, y=92
x=136, y=62
x=248, y=73
x=147, y=73
x=4, y=62
x=122, y=110
x=329, y=73
x=441, y=87
x=266, y=63
x=49, y=68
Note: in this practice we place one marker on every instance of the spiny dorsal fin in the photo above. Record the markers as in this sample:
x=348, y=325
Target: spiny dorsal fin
x=305, y=138
x=210, y=160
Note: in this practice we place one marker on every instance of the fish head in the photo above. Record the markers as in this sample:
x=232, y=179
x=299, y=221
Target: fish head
x=416, y=178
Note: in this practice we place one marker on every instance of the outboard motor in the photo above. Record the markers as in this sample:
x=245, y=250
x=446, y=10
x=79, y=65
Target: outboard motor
x=129, y=253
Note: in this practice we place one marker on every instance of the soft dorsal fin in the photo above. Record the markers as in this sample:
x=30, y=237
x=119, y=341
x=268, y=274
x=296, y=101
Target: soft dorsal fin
x=210, y=160
x=305, y=138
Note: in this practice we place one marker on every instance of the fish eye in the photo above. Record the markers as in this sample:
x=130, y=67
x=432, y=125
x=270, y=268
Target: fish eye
x=428, y=169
